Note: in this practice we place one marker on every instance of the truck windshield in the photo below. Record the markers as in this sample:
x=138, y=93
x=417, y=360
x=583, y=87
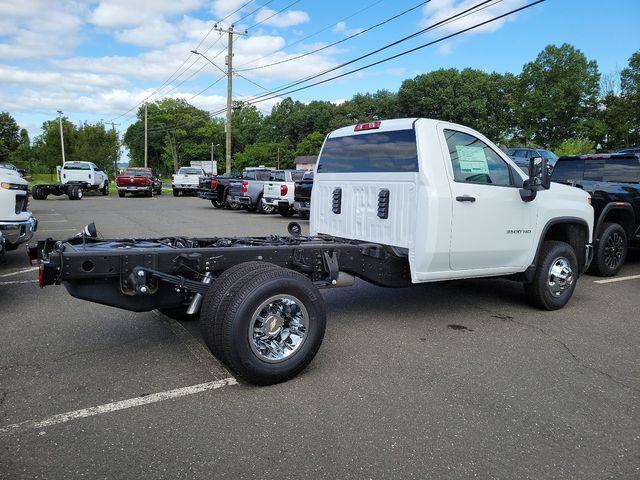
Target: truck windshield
x=393, y=151
x=76, y=166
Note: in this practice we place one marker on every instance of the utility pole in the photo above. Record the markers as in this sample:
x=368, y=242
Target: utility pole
x=229, y=62
x=115, y=160
x=61, y=135
x=145, y=135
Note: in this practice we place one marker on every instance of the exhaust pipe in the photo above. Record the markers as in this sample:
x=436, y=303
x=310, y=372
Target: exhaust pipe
x=196, y=302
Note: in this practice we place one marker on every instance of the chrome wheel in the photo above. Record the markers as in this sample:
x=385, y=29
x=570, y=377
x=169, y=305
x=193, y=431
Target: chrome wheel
x=278, y=328
x=560, y=276
x=613, y=250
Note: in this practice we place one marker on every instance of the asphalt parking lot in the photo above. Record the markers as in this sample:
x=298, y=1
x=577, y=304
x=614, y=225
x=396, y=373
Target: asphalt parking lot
x=455, y=380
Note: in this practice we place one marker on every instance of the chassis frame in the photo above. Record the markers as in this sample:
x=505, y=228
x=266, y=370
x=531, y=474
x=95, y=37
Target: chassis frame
x=146, y=274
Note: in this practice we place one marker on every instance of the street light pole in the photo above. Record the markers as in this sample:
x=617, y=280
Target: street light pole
x=61, y=135
x=212, y=156
x=145, y=135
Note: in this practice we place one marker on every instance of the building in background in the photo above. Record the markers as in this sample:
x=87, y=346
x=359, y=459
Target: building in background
x=306, y=162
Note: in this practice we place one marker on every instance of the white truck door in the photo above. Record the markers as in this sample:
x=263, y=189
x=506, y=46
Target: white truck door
x=491, y=227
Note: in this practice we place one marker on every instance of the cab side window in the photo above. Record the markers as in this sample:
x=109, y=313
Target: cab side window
x=473, y=161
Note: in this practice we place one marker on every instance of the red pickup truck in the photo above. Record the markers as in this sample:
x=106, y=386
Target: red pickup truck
x=138, y=180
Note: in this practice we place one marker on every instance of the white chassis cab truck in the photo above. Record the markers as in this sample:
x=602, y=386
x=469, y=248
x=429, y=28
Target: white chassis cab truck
x=394, y=203
x=75, y=179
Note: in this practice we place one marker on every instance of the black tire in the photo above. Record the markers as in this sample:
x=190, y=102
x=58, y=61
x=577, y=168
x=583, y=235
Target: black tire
x=149, y=193
x=217, y=203
x=232, y=205
x=105, y=189
x=176, y=192
x=179, y=313
x=159, y=191
x=540, y=292
x=121, y=194
x=252, y=291
x=249, y=208
x=262, y=208
x=611, y=251
x=36, y=193
x=304, y=214
x=218, y=298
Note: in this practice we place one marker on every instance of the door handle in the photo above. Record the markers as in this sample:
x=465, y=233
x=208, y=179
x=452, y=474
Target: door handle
x=466, y=198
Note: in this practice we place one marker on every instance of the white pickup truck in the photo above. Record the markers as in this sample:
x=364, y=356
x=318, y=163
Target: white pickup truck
x=186, y=180
x=394, y=203
x=17, y=224
x=278, y=192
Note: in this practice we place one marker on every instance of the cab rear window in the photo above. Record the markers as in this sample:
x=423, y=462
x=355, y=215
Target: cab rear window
x=393, y=151
x=76, y=166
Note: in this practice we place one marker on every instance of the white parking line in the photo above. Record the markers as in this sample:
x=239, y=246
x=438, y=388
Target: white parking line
x=16, y=282
x=53, y=221
x=18, y=272
x=618, y=279
x=115, y=406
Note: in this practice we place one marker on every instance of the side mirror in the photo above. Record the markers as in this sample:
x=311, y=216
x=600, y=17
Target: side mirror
x=539, y=179
x=539, y=173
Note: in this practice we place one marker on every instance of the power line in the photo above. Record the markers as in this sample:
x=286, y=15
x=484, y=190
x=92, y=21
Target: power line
x=393, y=57
x=361, y=32
x=458, y=15
x=318, y=32
x=274, y=14
x=186, y=60
x=262, y=98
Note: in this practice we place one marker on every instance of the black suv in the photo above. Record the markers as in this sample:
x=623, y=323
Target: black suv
x=614, y=184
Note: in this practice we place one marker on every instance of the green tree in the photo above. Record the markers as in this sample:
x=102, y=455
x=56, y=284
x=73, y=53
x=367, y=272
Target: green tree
x=247, y=123
x=575, y=146
x=364, y=107
x=260, y=153
x=311, y=144
x=558, y=95
x=630, y=94
x=9, y=136
x=21, y=156
x=94, y=143
x=484, y=101
x=47, y=150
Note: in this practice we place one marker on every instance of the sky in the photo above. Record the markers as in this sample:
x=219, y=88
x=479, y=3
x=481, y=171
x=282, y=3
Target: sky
x=98, y=60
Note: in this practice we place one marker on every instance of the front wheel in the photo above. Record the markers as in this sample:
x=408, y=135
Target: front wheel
x=611, y=251
x=121, y=194
x=176, y=192
x=555, y=277
x=272, y=327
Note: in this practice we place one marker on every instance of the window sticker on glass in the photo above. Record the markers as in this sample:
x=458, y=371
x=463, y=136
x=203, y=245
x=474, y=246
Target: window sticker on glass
x=472, y=160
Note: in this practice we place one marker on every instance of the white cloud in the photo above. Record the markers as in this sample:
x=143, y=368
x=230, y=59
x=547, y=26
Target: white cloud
x=130, y=13
x=438, y=10
x=34, y=29
x=150, y=34
x=445, y=49
x=340, y=27
x=224, y=8
x=70, y=82
x=266, y=16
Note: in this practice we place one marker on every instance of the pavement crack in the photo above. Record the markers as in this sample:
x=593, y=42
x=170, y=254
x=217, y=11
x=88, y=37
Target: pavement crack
x=576, y=359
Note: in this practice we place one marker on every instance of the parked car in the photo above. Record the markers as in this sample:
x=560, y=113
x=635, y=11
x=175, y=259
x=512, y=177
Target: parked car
x=17, y=224
x=138, y=180
x=613, y=181
x=247, y=191
x=278, y=192
x=390, y=205
x=216, y=189
x=634, y=150
x=186, y=180
x=522, y=155
x=302, y=195
x=75, y=179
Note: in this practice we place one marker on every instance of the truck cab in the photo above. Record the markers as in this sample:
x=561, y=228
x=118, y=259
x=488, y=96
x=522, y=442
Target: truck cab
x=85, y=173
x=446, y=197
x=17, y=224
